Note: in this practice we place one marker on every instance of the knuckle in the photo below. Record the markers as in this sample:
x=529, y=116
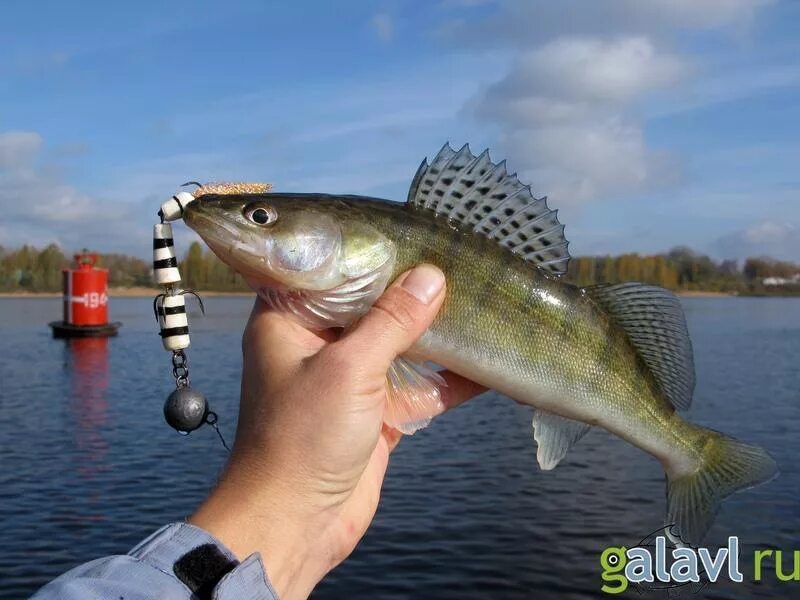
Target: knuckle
x=335, y=359
x=397, y=311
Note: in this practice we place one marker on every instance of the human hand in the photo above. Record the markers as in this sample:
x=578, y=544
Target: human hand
x=311, y=451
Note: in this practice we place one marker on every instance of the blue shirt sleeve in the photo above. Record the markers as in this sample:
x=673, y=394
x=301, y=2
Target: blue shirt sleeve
x=146, y=572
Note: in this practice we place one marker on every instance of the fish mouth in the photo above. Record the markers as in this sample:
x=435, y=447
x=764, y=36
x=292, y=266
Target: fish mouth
x=225, y=240
x=217, y=233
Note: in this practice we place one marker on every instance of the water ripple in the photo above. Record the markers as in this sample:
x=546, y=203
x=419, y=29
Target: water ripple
x=89, y=468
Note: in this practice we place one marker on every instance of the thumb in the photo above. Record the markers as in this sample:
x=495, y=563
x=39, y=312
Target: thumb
x=398, y=318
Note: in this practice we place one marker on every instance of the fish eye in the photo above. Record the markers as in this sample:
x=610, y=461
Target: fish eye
x=260, y=213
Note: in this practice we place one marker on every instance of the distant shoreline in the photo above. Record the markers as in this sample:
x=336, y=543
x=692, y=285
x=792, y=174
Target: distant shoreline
x=121, y=292
x=142, y=292
x=702, y=294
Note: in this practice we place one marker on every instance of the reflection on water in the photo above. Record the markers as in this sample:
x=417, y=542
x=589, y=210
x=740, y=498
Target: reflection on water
x=90, y=468
x=87, y=370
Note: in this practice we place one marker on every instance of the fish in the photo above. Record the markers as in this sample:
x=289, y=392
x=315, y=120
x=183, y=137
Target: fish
x=614, y=356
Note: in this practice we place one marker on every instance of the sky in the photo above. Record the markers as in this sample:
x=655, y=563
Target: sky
x=649, y=124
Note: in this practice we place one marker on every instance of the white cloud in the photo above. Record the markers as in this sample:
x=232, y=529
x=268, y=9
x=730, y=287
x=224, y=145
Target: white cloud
x=570, y=109
x=568, y=77
x=28, y=192
x=383, y=26
x=563, y=110
x=767, y=238
x=18, y=149
x=594, y=70
x=43, y=208
x=729, y=85
x=769, y=232
x=696, y=13
x=529, y=23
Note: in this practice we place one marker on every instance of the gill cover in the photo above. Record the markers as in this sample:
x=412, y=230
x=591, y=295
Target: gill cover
x=301, y=249
x=323, y=270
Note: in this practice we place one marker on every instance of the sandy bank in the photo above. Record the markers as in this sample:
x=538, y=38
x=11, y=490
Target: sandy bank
x=701, y=294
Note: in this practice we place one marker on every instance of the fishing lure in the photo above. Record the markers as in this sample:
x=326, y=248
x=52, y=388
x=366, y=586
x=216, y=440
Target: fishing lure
x=186, y=409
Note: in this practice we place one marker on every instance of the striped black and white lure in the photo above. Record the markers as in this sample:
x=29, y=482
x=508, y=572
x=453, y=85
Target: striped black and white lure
x=186, y=409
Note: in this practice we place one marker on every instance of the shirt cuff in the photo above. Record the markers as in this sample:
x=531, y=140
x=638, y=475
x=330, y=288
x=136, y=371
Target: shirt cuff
x=247, y=580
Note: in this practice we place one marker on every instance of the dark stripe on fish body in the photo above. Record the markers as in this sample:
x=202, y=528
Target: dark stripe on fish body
x=483, y=292
x=433, y=226
x=566, y=325
x=451, y=254
x=607, y=358
x=170, y=331
x=165, y=263
x=487, y=289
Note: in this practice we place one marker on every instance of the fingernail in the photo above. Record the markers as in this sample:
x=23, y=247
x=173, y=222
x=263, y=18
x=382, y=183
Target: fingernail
x=424, y=282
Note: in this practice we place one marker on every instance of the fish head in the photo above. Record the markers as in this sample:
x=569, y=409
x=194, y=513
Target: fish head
x=270, y=241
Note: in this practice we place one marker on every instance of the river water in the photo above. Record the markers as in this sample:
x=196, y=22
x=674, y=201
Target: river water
x=89, y=467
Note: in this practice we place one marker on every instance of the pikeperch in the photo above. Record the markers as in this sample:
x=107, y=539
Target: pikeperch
x=614, y=356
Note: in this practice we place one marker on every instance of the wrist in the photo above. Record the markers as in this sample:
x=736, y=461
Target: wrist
x=271, y=522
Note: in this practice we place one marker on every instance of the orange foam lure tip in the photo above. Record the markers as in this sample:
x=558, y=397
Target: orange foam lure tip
x=232, y=187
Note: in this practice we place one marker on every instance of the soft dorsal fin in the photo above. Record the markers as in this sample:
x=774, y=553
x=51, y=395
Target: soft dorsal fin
x=654, y=321
x=474, y=191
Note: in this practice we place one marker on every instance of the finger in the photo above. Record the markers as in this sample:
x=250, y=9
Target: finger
x=397, y=319
x=275, y=338
x=459, y=389
x=262, y=310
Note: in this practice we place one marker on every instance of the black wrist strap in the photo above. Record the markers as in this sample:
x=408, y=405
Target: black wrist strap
x=202, y=568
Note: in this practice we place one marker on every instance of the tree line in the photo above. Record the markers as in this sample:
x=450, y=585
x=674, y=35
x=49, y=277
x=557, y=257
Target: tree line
x=29, y=269
x=682, y=269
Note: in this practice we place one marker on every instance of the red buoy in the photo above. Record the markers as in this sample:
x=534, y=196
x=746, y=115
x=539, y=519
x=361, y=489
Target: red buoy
x=85, y=301
x=86, y=292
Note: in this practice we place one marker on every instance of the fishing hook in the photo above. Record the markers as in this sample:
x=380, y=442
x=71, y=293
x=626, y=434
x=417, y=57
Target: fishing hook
x=182, y=293
x=155, y=304
x=199, y=299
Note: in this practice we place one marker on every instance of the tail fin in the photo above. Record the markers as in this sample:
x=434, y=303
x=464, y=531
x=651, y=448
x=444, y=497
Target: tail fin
x=727, y=466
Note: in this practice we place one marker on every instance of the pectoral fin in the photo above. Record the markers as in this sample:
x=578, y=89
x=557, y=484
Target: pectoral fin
x=555, y=435
x=414, y=395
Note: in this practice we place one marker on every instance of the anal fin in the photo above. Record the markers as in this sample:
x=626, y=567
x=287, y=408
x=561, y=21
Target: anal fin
x=414, y=395
x=555, y=435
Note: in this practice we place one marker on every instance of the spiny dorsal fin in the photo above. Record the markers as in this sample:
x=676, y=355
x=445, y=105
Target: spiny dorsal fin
x=482, y=195
x=654, y=321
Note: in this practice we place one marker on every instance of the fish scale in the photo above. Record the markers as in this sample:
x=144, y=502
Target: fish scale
x=613, y=356
x=522, y=330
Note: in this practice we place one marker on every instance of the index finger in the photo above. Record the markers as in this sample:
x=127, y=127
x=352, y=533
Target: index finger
x=276, y=338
